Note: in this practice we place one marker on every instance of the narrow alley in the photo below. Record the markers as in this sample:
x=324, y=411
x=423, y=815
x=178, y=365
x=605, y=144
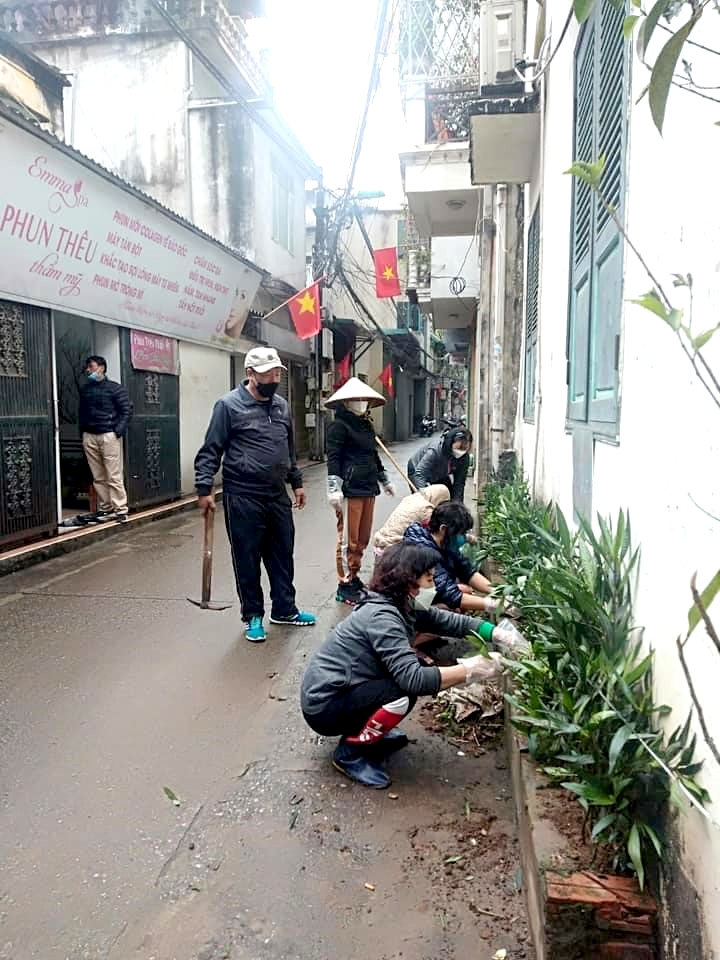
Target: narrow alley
x=117, y=696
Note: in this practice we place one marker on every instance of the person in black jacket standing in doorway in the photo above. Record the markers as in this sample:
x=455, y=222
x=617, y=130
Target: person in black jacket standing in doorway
x=251, y=433
x=355, y=474
x=104, y=417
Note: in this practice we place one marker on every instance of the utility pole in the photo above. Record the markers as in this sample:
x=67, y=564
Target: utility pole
x=318, y=272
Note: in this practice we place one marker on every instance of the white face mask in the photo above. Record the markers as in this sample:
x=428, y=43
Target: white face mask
x=458, y=453
x=358, y=407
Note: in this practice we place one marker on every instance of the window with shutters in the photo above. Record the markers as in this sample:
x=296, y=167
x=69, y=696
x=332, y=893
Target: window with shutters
x=601, y=109
x=283, y=207
x=532, y=292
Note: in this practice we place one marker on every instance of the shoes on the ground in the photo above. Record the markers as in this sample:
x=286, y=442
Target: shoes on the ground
x=120, y=517
x=255, y=631
x=351, y=761
x=357, y=583
x=299, y=619
x=348, y=593
x=101, y=516
x=393, y=741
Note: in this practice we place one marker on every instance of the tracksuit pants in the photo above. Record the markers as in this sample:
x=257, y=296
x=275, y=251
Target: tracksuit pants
x=262, y=530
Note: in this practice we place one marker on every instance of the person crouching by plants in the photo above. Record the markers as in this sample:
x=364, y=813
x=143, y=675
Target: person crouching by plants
x=415, y=508
x=366, y=677
x=355, y=474
x=456, y=580
x=446, y=459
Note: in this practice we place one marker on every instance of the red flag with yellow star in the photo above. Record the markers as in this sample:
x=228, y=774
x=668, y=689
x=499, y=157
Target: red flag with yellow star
x=387, y=283
x=386, y=379
x=305, y=312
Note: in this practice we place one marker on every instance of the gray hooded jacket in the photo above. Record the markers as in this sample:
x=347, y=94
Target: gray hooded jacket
x=373, y=643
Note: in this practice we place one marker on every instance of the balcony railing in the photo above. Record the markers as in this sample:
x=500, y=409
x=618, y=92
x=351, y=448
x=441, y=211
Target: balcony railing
x=39, y=21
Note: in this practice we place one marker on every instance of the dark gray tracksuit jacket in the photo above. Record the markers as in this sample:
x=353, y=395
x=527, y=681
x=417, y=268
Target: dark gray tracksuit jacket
x=256, y=444
x=373, y=643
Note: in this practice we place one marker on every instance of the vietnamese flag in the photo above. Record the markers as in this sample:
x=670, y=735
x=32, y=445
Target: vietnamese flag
x=305, y=311
x=386, y=379
x=387, y=283
x=342, y=369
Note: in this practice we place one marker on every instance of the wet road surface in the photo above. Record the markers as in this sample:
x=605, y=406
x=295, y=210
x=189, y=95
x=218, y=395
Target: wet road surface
x=114, y=688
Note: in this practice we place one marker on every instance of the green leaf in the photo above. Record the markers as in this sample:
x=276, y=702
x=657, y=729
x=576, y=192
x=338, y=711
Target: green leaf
x=702, y=338
x=616, y=745
x=602, y=824
x=583, y=9
x=171, y=796
x=674, y=318
x=707, y=597
x=653, y=837
x=635, y=854
x=652, y=302
x=629, y=25
x=680, y=280
x=557, y=773
x=664, y=69
x=589, y=173
x=640, y=670
x=648, y=26
x=590, y=793
x=601, y=716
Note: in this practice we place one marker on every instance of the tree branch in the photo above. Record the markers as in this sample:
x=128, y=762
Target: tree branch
x=703, y=510
x=698, y=706
x=709, y=625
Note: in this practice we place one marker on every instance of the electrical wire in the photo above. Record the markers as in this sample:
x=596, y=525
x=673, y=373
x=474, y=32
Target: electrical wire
x=545, y=67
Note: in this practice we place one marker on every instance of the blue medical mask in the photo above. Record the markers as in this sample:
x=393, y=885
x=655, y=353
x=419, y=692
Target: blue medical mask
x=457, y=541
x=95, y=375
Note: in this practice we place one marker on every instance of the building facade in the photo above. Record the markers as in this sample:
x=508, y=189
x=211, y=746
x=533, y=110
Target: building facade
x=591, y=391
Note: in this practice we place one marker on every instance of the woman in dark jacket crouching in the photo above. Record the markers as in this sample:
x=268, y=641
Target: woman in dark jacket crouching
x=366, y=677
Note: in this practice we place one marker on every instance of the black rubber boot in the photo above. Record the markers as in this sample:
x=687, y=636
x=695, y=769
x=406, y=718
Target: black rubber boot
x=393, y=741
x=351, y=761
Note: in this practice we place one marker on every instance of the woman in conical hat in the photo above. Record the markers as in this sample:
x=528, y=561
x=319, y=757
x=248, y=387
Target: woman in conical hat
x=355, y=474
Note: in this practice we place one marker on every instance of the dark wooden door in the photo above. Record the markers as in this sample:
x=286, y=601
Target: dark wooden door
x=152, y=447
x=28, y=498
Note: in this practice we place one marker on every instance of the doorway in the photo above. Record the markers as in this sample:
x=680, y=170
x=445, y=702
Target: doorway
x=28, y=493
x=74, y=342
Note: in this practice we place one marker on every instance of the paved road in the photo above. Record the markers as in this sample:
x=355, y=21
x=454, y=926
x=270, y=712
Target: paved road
x=113, y=687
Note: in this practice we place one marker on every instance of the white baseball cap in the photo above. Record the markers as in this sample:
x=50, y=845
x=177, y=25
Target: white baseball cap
x=262, y=359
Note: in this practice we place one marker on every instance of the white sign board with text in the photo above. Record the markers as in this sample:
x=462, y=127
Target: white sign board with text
x=72, y=240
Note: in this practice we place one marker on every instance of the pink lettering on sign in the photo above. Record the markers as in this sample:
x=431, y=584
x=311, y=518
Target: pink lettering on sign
x=148, y=351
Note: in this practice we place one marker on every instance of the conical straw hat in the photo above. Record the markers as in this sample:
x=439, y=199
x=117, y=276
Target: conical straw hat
x=355, y=389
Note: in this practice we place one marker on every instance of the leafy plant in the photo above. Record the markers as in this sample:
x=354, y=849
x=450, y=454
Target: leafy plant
x=585, y=697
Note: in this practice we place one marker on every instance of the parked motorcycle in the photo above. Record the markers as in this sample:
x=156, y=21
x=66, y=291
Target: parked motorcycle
x=452, y=423
x=428, y=426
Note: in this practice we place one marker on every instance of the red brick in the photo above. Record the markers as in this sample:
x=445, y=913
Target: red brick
x=597, y=890
x=623, y=951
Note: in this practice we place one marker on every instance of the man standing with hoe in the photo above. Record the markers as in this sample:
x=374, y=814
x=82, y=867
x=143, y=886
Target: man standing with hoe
x=251, y=433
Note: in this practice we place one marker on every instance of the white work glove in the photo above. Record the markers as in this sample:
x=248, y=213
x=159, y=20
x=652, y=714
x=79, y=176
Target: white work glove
x=501, y=605
x=389, y=489
x=482, y=668
x=334, y=493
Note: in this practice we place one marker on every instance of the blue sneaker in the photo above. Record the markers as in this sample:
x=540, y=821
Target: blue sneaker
x=299, y=619
x=255, y=631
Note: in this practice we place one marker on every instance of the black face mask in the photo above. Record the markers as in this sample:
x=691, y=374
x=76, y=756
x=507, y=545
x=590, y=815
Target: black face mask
x=267, y=390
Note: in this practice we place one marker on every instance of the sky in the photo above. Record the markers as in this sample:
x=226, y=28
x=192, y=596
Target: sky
x=320, y=59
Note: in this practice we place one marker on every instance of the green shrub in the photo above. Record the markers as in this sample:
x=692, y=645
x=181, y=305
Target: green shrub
x=585, y=697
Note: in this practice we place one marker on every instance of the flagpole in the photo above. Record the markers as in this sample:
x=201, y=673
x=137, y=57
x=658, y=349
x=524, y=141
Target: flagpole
x=293, y=297
x=318, y=269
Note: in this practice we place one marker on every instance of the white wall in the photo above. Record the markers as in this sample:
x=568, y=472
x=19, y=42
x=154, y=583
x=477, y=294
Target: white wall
x=106, y=339
x=669, y=433
x=204, y=378
x=451, y=257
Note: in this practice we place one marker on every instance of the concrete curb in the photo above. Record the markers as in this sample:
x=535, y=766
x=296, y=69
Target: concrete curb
x=28, y=555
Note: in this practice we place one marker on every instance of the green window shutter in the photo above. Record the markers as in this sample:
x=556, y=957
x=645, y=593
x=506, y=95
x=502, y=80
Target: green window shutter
x=608, y=251
x=582, y=221
x=532, y=292
x=601, y=107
